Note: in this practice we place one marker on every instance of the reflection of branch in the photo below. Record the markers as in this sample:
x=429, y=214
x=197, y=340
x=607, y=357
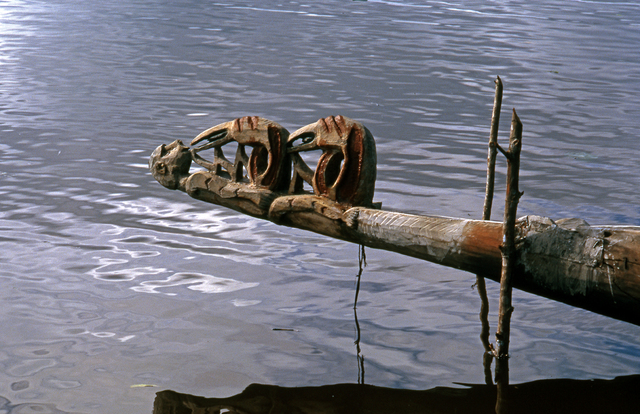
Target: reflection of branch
x=487, y=357
x=362, y=262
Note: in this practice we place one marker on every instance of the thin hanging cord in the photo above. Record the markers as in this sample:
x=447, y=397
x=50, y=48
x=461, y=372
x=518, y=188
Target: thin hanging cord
x=362, y=263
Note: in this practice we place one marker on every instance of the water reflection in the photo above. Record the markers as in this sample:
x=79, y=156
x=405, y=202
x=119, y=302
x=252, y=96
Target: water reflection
x=619, y=395
x=7, y=407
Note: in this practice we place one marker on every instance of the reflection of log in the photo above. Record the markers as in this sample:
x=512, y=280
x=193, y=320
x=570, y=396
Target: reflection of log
x=545, y=396
x=596, y=268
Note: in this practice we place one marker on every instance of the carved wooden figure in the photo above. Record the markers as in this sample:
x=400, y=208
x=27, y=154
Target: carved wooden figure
x=266, y=166
x=346, y=170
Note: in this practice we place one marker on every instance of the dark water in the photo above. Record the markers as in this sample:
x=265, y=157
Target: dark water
x=110, y=282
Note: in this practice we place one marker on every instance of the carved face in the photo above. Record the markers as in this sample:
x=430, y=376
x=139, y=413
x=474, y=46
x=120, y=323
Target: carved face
x=169, y=164
x=346, y=170
x=267, y=166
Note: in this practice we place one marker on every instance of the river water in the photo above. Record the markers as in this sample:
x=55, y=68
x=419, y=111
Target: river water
x=114, y=288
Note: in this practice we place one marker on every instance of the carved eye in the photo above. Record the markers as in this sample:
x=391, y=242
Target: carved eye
x=161, y=167
x=307, y=138
x=301, y=142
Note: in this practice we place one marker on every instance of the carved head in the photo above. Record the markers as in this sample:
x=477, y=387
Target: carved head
x=169, y=164
x=346, y=169
x=268, y=164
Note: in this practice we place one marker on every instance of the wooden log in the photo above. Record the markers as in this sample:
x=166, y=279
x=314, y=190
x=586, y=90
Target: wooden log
x=592, y=267
x=596, y=268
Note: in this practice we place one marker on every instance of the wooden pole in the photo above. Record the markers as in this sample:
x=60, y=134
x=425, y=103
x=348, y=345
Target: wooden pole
x=508, y=260
x=486, y=215
x=493, y=150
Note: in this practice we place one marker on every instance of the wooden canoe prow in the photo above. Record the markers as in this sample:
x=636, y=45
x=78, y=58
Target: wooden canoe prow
x=592, y=267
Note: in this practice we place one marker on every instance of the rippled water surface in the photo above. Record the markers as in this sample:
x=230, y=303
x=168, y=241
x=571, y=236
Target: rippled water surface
x=110, y=281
